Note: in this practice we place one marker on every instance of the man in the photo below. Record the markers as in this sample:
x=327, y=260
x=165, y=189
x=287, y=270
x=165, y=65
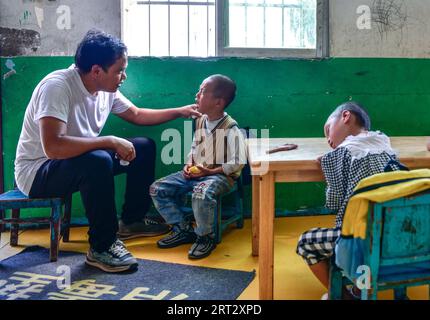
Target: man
x=60, y=150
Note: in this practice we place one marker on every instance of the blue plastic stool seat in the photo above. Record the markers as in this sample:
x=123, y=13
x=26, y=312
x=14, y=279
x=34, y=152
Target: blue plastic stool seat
x=15, y=200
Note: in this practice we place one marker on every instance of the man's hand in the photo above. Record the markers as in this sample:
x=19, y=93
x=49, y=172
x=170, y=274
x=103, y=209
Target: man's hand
x=124, y=149
x=189, y=111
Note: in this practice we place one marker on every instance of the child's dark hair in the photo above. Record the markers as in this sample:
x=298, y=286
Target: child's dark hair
x=98, y=48
x=355, y=108
x=224, y=88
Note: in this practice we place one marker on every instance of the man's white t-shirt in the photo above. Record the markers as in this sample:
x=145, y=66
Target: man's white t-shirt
x=61, y=95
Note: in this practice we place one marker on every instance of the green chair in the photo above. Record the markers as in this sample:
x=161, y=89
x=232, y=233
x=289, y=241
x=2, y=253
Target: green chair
x=224, y=217
x=396, y=249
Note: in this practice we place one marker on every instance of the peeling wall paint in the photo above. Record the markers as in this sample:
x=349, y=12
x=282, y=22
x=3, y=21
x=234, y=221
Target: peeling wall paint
x=10, y=65
x=18, y=42
x=60, y=24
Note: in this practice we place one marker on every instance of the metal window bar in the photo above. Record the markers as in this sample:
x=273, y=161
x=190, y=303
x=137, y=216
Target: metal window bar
x=283, y=24
x=149, y=30
x=302, y=27
x=169, y=3
x=223, y=47
x=207, y=31
x=265, y=5
x=188, y=30
x=264, y=23
x=168, y=30
x=246, y=22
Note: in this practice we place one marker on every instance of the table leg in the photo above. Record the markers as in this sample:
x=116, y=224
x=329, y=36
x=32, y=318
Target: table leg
x=267, y=216
x=255, y=214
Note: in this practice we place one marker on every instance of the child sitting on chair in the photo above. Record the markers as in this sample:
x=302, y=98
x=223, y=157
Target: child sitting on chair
x=358, y=153
x=216, y=159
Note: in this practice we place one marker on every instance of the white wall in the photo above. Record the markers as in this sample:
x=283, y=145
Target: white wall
x=405, y=34
x=399, y=28
x=51, y=25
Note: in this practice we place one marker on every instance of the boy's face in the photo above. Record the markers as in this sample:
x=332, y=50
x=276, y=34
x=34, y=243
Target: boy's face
x=337, y=129
x=205, y=100
x=112, y=80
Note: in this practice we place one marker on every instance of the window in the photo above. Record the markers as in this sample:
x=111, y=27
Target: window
x=204, y=28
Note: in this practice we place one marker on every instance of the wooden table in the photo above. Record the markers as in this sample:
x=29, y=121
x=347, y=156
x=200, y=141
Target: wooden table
x=298, y=165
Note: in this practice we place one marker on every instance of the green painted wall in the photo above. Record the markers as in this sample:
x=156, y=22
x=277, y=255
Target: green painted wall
x=289, y=97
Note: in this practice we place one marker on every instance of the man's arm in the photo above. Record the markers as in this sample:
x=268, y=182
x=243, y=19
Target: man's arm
x=57, y=145
x=150, y=117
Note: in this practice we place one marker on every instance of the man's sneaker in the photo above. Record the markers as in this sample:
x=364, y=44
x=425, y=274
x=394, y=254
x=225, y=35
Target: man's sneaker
x=177, y=237
x=145, y=228
x=202, y=247
x=115, y=259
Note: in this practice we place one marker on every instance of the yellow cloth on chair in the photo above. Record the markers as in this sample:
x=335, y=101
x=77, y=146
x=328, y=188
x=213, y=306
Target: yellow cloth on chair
x=382, y=187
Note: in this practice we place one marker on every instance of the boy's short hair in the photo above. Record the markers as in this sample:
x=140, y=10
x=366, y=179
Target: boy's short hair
x=355, y=108
x=98, y=48
x=224, y=88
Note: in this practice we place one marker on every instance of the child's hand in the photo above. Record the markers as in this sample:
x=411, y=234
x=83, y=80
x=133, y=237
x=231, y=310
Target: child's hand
x=203, y=172
x=186, y=171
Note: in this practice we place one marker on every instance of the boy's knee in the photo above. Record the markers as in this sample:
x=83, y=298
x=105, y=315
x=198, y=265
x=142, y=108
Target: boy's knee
x=156, y=189
x=202, y=191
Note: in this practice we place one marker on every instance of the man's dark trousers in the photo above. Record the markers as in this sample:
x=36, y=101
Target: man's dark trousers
x=93, y=174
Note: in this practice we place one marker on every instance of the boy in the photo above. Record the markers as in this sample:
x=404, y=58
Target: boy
x=358, y=153
x=210, y=170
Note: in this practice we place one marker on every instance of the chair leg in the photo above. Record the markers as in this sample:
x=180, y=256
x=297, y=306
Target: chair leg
x=14, y=228
x=2, y=226
x=1, y=223
x=65, y=230
x=218, y=221
x=239, y=210
x=55, y=232
x=335, y=283
x=371, y=294
x=400, y=294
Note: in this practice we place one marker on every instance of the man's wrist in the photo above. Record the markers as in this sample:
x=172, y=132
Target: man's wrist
x=180, y=112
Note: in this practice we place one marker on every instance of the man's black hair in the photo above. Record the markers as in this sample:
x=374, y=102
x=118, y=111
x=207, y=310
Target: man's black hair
x=98, y=48
x=355, y=108
x=224, y=88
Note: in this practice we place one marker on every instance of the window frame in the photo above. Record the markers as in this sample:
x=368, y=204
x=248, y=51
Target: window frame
x=222, y=31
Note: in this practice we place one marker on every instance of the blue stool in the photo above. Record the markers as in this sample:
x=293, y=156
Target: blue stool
x=15, y=200
x=221, y=224
x=396, y=250
x=222, y=221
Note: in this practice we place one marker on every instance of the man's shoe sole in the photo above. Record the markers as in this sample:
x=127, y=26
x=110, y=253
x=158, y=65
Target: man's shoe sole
x=110, y=269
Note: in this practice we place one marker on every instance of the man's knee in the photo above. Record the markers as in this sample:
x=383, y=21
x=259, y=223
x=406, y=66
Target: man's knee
x=144, y=146
x=97, y=161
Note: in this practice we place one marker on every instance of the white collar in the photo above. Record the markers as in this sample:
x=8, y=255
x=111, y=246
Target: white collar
x=367, y=143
